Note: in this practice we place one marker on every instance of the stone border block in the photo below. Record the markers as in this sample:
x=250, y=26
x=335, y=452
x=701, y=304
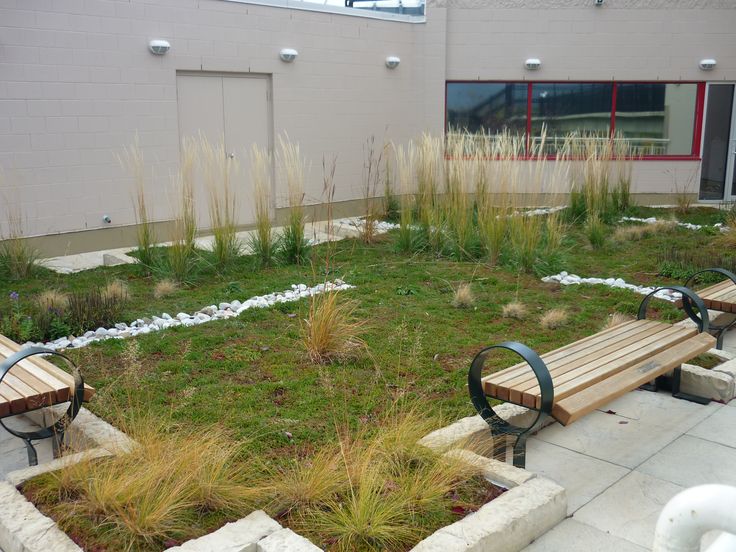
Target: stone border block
x=506, y=524
x=239, y=536
x=284, y=540
x=497, y=472
x=473, y=432
x=23, y=528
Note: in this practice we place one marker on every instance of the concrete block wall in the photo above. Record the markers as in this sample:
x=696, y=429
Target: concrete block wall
x=77, y=83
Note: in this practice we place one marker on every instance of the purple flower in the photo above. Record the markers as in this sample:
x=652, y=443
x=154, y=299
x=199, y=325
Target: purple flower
x=14, y=296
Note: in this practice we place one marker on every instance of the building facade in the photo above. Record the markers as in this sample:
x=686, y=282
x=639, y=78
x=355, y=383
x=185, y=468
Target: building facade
x=78, y=84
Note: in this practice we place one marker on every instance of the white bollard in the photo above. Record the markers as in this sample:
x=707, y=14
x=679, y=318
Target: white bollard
x=692, y=513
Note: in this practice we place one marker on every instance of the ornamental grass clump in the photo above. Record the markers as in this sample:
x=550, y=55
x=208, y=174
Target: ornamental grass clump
x=554, y=319
x=463, y=297
x=377, y=489
x=332, y=329
x=429, y=165
x=293, y=247
x=515, y=310
x=164, y=288
x=132, y=160
x=182, y=254
x=458, y=214
x=219, y=168
x=371, y=179
x=161, y=489
x=407, y=240
x=262, y=241
x=18, y=259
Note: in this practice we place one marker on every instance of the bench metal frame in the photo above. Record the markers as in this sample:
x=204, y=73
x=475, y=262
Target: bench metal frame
x=501, y=429
x=57, y=429
x=721, y=329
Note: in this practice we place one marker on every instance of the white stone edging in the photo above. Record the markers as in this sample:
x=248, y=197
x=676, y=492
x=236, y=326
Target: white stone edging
x=653, y=220
x=207, y=314
x=566, y=279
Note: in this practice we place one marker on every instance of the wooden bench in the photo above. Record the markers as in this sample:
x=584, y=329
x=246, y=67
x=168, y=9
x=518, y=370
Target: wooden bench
x=574, y=380
x=717, y=297
x=29, y=382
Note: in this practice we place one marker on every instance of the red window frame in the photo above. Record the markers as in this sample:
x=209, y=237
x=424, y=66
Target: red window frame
x=695, y=153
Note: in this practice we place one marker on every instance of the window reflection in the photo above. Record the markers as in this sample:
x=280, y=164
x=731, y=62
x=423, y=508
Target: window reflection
x=657, y=118
x=486, y=107
x=564, y=108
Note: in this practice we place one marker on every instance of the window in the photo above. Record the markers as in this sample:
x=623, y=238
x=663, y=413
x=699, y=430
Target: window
x=486, y=107
x=657, y=119
x=570, y=107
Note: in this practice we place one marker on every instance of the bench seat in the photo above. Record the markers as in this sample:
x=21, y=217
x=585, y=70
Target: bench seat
x=33, y=383
x=582, y=365
x=576, y=379
x=718, y=297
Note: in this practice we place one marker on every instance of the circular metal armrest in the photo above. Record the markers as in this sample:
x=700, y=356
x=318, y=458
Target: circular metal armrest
x=76, y=399
x=689, y=298
x=478, y=396
x=727, y=273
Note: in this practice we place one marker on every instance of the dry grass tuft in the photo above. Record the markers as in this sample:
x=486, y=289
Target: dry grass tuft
x=553, y=319
x=616, y=319
x=164, y=288
x=293, y=247
x=132, y=160
x=17, y=257
x=463, y=298
x=374, y=491
x=515, y=310
x=117, y=290
x=262, y=241
x=640, y=231
x=52, y=299
x=154, y=491
x=331, y=330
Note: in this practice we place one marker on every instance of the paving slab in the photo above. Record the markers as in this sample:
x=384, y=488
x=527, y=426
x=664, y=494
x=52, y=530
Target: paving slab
x=573, y=536
x=13, y=455
x=720, y=427
x=629, y=509
x=660, y=409
x=623, y=441
x=691, y=461
x=583, y=477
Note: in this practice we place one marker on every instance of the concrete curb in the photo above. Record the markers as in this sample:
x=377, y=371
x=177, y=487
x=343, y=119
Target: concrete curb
x=532, y=506
x=23, y=528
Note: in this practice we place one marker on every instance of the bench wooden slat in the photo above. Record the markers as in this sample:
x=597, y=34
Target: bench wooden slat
x=584, y=380
x=492, y=382
x=567, y=363
x=581, y=403
x=8, y=347
x=33, y=397
x=33, y=383
x=584, y=375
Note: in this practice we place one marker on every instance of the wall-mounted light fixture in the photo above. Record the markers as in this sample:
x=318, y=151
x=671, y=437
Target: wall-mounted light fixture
x=392, y=62
x=707, y=64
x=532, y=64
x=159, y=46
x=598, y=3
x=288, y=54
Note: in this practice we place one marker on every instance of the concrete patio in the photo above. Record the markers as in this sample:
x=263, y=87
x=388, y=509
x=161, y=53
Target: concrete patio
x=622, y=465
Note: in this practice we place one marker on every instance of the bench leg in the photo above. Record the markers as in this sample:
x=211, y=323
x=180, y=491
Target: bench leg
x=520, y=451
x=673, y=384
x=31, y=450
x=676, y=378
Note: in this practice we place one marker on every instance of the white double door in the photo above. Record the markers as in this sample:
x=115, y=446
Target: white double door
x=229, y=110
